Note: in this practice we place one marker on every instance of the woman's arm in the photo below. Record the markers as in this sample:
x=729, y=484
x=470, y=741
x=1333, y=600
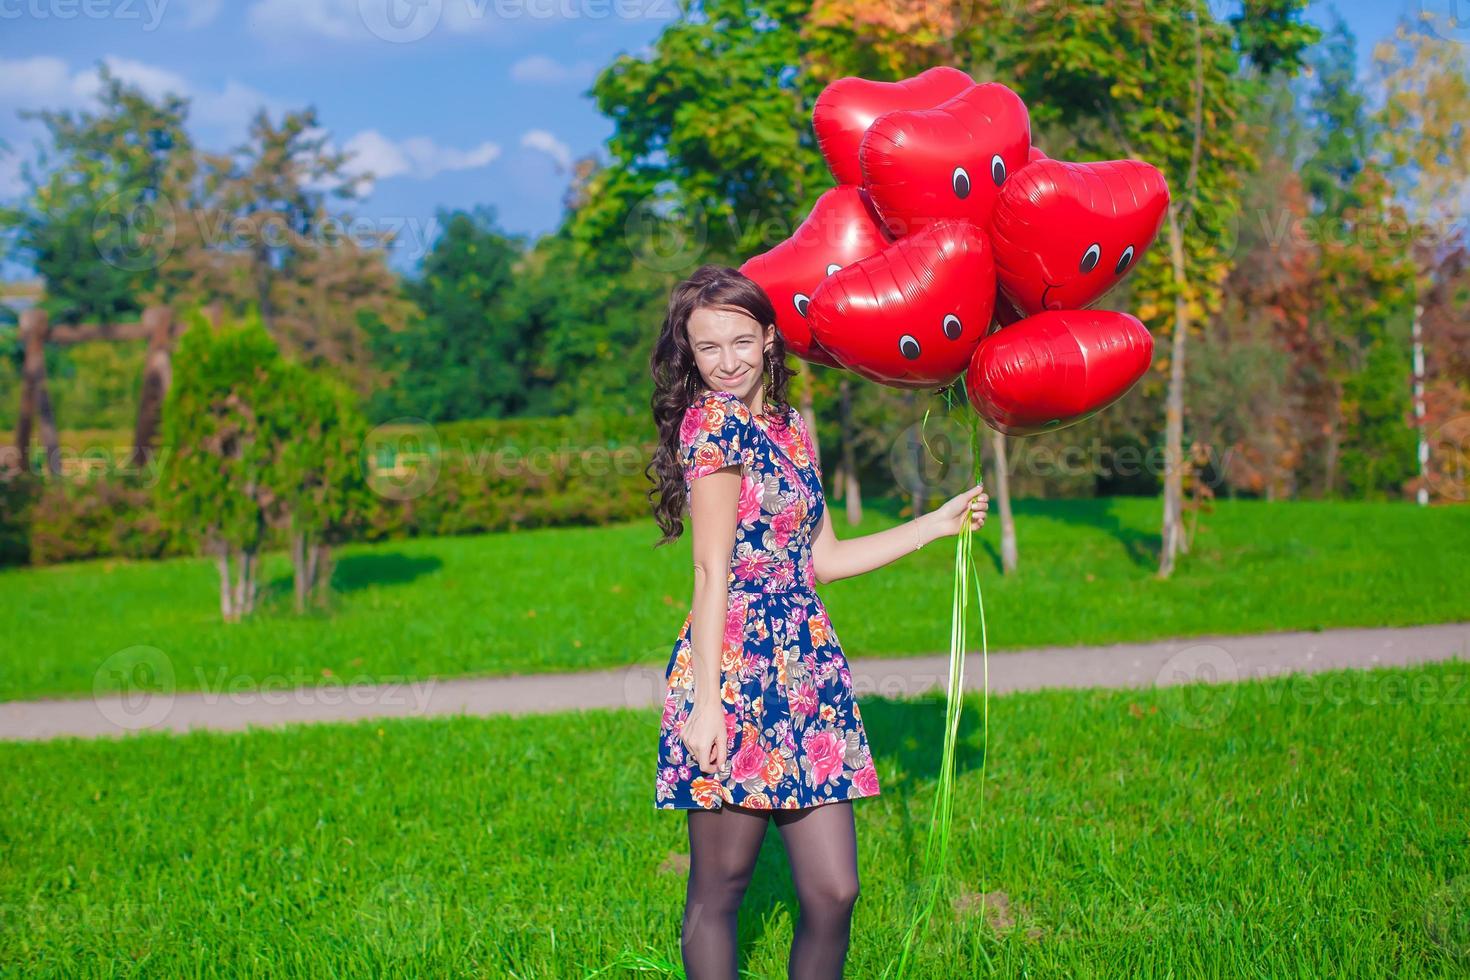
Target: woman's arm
x=714, y=501
x=833, y=559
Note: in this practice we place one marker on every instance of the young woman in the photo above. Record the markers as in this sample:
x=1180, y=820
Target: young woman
x=760, y=721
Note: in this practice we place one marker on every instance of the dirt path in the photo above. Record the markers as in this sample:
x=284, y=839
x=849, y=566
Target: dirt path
x=1209, y=658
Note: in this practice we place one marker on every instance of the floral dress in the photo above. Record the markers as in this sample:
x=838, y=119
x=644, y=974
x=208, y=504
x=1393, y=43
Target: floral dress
x=795, y=737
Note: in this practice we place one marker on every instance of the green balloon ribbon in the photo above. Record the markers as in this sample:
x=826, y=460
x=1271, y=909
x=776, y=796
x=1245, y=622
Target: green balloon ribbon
x=936, y=848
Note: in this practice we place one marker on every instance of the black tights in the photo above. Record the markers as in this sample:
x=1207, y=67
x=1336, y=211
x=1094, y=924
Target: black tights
x=821, y=844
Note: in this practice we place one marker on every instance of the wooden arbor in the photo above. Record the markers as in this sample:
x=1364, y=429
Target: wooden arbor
x=157, y=325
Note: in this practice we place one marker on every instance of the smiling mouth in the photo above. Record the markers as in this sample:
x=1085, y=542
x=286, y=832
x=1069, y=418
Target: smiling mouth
x=736, y=378
x=1049, y=287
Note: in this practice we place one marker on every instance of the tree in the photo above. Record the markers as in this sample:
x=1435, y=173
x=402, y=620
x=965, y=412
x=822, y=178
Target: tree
x=216, y=478
x=1424, y=146
x=319, y=495
x=470, y=355
x=1155, y=83
x=256, y=228
x=94, y=220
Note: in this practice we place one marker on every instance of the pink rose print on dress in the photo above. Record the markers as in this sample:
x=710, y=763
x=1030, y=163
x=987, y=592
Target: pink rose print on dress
x=750, y=501
x=825, y=750
x=748, y=762
x=866, y=780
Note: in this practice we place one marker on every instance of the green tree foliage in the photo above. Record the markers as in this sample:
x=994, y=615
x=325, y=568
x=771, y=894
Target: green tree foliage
x=1338, y=122
x=713, y=158
x=96, y=207
x=319, y=496
x=470, y=355
x=219, y=448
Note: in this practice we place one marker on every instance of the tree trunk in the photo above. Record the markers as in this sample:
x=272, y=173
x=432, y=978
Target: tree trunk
x=301, y=577
x=1002, y=497
x=157, y=374
x=852, y=491
x=222, y=563
x=1173, y=527
x=35, y=402
x=1334, y=443
x=321, y=572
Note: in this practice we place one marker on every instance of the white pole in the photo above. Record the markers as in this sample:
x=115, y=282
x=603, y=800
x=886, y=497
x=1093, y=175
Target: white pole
x=1423, y=494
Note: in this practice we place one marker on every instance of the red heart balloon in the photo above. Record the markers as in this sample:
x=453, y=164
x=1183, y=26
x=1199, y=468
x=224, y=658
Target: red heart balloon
x=1066, y=233
x=910, y=316
x=848, y=106
x=840, y=230
x=1057, y=368
x=921, y=166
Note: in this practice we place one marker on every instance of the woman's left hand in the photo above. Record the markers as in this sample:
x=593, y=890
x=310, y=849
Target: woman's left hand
x=950, y=517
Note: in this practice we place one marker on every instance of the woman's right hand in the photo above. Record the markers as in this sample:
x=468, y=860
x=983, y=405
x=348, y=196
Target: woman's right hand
x=704, y=735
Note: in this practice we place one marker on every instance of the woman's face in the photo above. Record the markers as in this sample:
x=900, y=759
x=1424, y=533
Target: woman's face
x=729, y=351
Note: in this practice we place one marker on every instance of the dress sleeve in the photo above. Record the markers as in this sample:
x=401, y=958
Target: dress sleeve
x=715, y=434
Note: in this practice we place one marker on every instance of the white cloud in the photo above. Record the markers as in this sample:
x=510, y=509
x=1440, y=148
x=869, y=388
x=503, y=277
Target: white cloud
x=540, y=139
x=371, y=20
x=418, y=156
x=44, y=82
x=539, y=69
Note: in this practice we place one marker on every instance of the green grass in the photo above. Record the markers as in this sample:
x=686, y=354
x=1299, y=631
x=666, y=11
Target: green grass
x=1306, y=826
x=582, y=598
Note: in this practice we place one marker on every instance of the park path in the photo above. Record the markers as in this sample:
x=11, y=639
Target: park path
x=1200, y=658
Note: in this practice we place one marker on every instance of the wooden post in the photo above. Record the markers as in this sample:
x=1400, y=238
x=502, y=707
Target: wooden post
x=35, y=403
x=157, y=375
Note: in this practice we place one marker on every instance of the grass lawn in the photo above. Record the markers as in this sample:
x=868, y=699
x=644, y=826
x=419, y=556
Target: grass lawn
x=1320, y=826
x=581, y=598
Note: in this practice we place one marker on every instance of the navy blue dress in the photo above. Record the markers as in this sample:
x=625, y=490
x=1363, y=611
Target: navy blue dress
x=795, y=735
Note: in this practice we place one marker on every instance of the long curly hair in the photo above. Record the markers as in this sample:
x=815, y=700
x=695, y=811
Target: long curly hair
x=677, y=382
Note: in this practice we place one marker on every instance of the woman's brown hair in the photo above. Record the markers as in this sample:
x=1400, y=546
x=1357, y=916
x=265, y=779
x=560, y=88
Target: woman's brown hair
x=676, y=379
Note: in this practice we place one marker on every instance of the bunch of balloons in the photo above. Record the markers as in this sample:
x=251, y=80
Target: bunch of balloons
x=951, y=244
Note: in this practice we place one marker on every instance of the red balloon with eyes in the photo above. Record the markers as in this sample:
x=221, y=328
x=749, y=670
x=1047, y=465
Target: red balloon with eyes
x=911, y=315
x=1066, y=233
x=922, y=166
x=840, y=230
x=848, y=106
x=1056, y=369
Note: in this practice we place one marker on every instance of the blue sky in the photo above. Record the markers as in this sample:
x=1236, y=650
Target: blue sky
x=454, y=103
